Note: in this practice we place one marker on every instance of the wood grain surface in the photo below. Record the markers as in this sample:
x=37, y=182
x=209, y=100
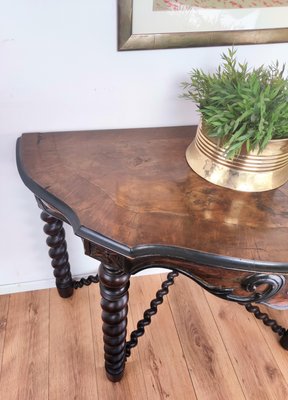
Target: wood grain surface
x=72, y=343
x=161, y=383
x=262, y=379
x=136, y=188
x=4, y=307
x=202, y=344
x=197, y=347
x=24, y=373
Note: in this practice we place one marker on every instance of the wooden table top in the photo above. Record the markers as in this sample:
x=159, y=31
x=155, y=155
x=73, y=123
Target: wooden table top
x=134, y=187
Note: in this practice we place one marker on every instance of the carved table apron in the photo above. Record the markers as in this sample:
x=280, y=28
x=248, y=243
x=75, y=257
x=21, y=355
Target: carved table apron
x=131, y=197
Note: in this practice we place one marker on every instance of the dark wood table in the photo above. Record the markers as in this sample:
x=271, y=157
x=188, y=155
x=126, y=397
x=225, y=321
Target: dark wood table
x=132, y=198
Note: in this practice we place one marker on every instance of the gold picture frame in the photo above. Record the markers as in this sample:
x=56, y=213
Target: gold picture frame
x=127, y=40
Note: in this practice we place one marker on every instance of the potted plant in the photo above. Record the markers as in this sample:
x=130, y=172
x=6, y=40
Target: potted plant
x=242, y=140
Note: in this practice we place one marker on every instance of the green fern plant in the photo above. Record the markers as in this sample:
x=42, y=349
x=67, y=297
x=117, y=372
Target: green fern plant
x=241, y=107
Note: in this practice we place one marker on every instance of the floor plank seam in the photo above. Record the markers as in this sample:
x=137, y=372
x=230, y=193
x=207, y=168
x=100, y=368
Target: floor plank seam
x=147, y=328
x=4, y=340
x=183, y=353
x=49, y=346
x=139, y=353
x=257, y=365
x=224, y=344
x=94, y=338
x=269, y=345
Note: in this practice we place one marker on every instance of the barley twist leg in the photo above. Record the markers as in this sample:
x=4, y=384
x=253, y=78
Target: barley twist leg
x=58, y=252
x=114, y=291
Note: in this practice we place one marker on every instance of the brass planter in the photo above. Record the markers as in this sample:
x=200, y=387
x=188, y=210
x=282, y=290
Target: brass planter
x=251, y=172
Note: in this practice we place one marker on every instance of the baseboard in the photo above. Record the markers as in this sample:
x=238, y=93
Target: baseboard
x=50, y=283
x=32, y=285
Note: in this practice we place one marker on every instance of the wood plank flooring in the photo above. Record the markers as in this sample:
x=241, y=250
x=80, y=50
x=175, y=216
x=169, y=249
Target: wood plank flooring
x=197, y=347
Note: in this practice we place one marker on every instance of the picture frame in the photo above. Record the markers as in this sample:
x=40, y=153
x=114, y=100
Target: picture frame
x=161, y=36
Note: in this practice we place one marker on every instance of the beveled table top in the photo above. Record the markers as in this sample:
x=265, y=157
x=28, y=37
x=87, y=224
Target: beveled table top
x=134, y=188
x=135, y=202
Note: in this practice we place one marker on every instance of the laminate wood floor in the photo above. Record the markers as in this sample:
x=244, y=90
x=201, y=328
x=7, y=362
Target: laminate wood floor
x=197, y=347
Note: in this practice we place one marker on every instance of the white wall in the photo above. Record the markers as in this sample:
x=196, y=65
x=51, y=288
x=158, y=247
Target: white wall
x=60, y=70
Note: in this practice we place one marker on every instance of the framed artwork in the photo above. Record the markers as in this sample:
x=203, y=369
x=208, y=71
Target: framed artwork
x=160, y=24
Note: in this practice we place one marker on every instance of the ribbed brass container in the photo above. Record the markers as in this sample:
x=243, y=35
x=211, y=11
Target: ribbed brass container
x=251, y=172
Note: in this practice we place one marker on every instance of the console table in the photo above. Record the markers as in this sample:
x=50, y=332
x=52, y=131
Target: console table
x=136, y=204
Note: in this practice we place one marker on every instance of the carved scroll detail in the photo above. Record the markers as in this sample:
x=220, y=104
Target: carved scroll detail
x=273, y=283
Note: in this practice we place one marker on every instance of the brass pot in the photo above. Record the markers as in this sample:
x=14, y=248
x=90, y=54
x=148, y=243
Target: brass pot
x=251, y=172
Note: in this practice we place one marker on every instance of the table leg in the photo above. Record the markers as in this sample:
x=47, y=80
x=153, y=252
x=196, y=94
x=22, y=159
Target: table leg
x=272, y=323
x=58, y=252
x=114, y=286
